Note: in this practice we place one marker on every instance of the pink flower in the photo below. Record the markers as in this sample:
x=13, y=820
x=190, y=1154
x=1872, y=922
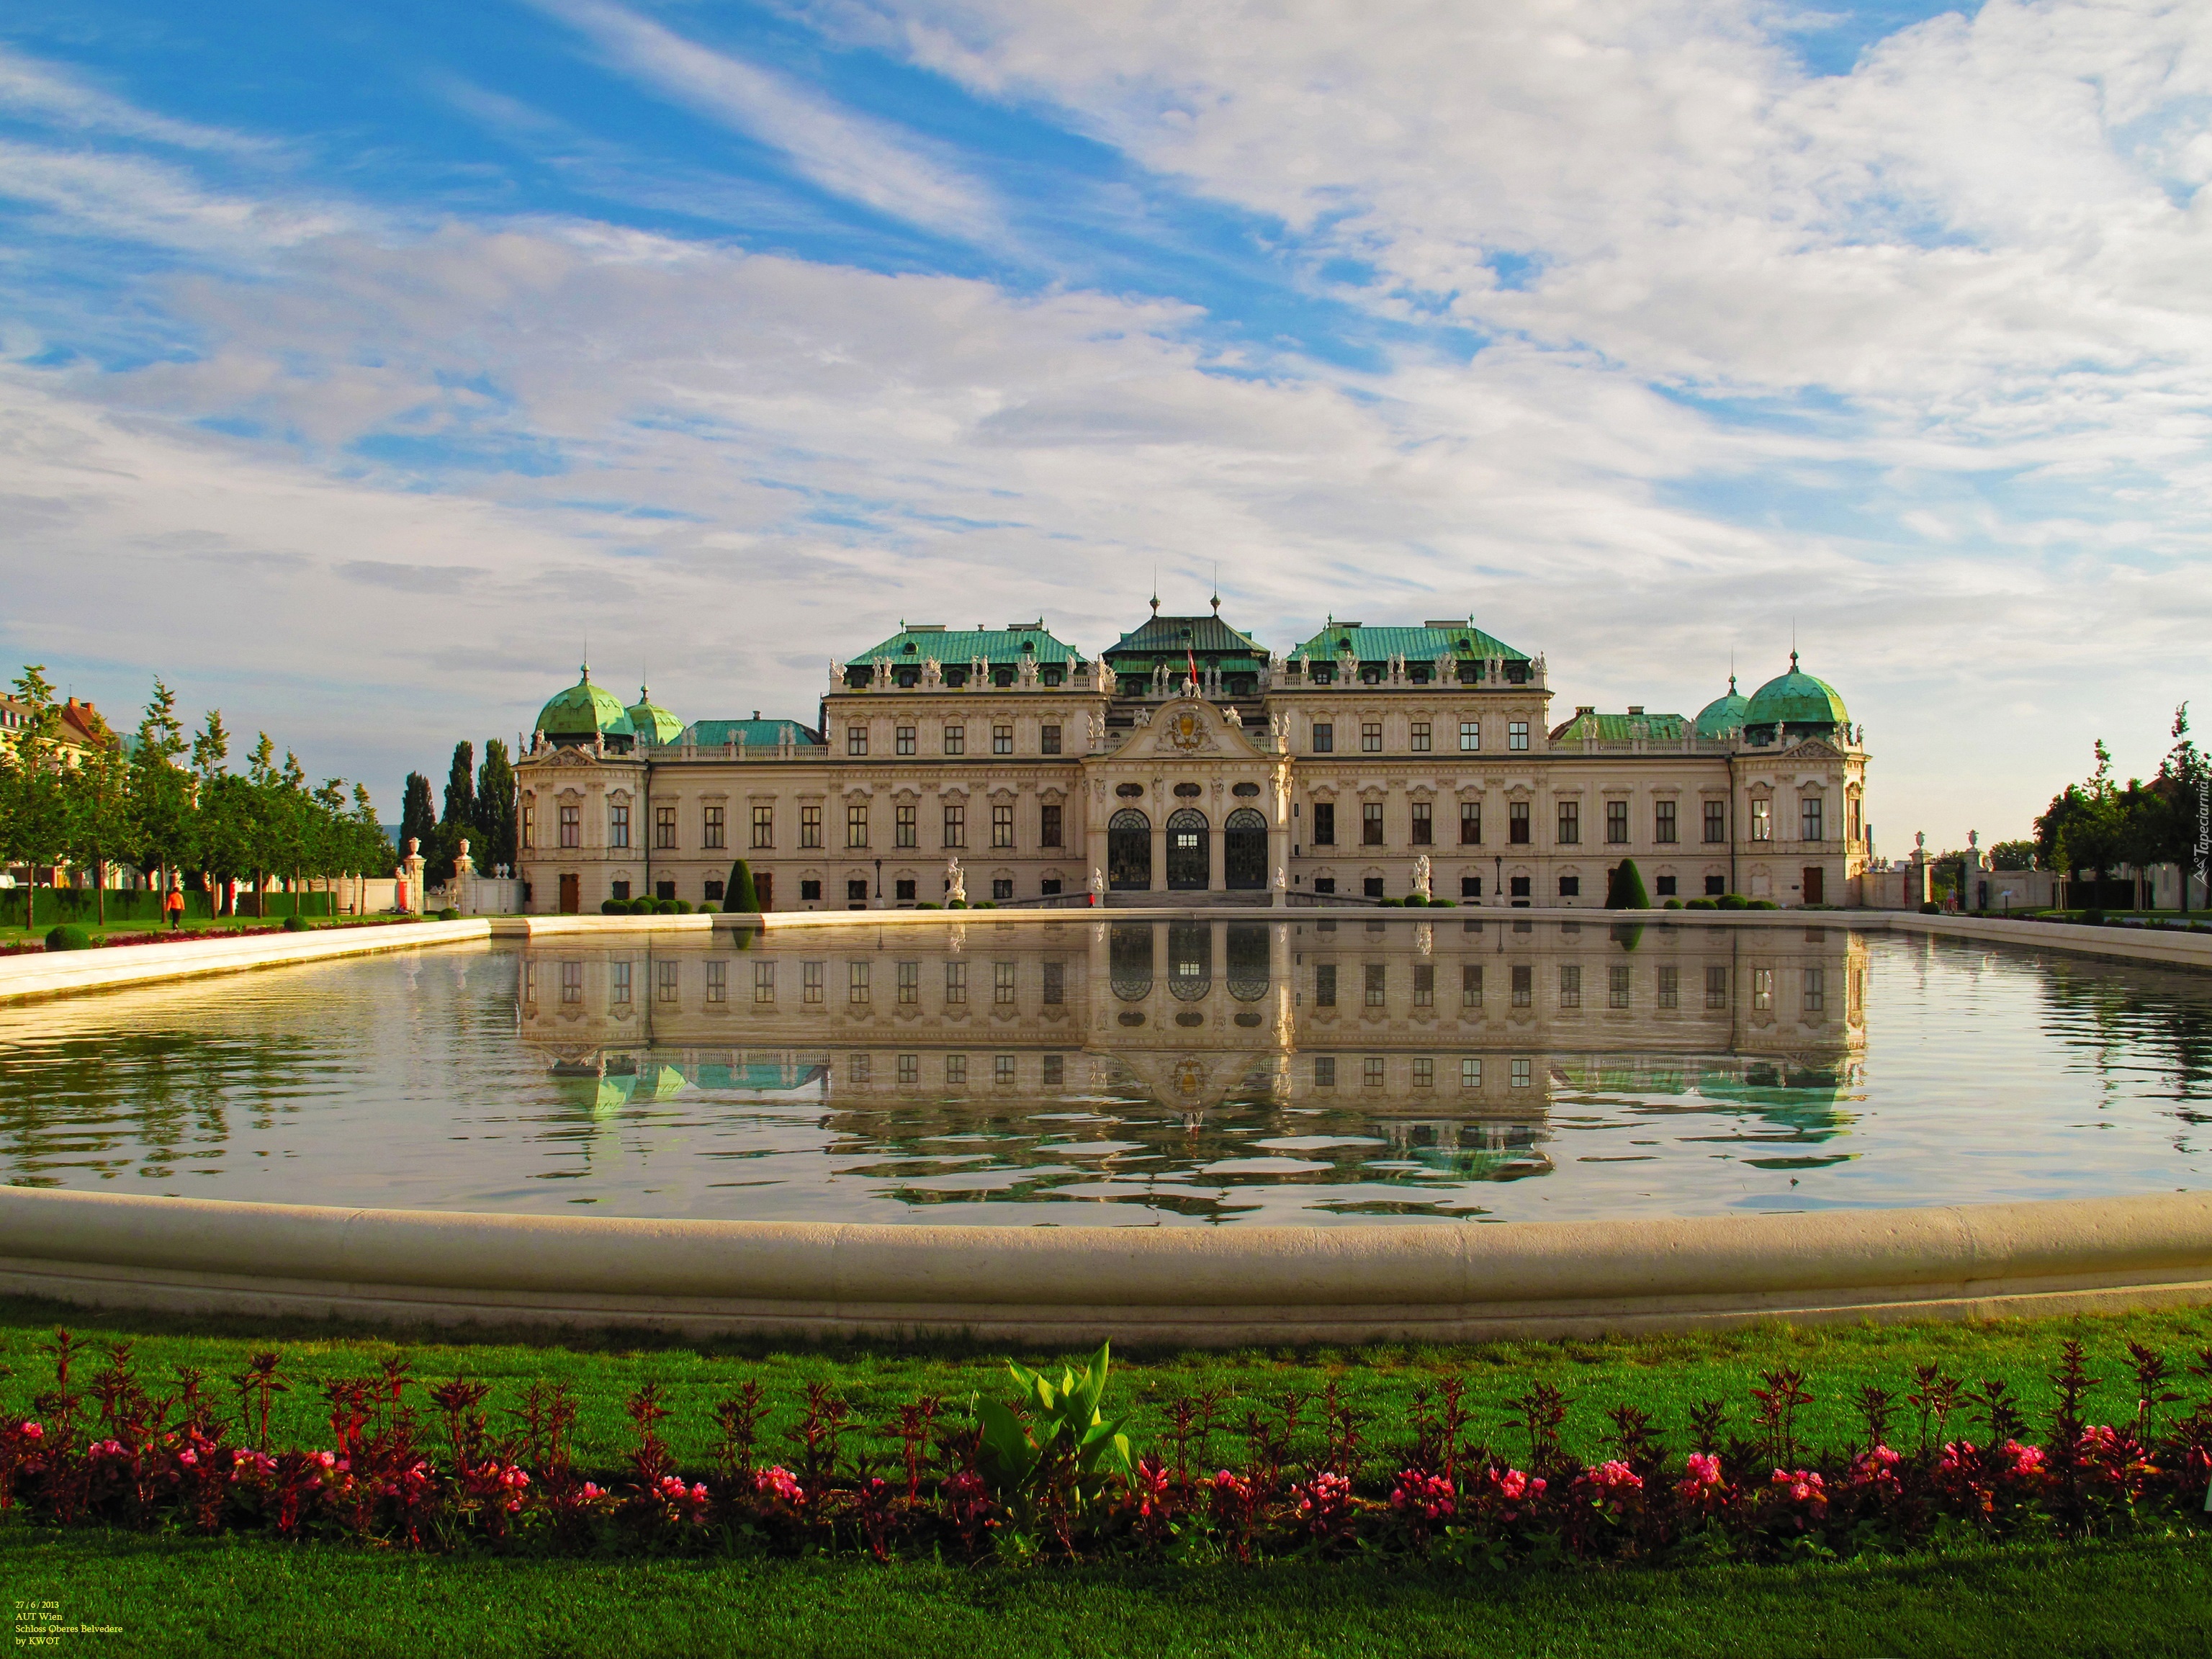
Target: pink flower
x=1514, y=1484
x=31, y=1431
x=779, y=1482
x=328, y=1460
x=1804, y=1486
x=2026, y=1461
x=591, y=1493
x=188, y=1457
x=1615, y=1475
x=1430, y=1496
x=1704, y=1470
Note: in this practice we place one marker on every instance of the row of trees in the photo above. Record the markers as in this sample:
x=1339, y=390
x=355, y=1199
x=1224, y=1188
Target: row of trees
x=2100, y=826
x=171, y=807
x=479, y=809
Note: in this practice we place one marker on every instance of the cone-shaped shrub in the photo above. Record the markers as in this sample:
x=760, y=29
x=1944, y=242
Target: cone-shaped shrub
x=1623, y=888
x=742, y=895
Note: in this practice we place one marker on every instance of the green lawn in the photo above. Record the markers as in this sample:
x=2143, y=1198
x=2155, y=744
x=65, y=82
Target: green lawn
x=15, y=933
x=2150, y=1593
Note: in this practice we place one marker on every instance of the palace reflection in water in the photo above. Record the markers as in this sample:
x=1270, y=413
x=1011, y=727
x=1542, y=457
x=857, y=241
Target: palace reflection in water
x=1186, y=1060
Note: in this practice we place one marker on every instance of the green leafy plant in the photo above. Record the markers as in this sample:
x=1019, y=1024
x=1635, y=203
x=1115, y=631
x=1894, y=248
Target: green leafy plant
x=295, y=924
x=1623, y=888
x=449, y=914
x=1061, y=1453
x=68, y=937
x=743, y=893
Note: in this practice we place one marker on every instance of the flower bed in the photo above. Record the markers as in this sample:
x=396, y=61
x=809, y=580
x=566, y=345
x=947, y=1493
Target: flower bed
x=103, y=941
x=1047, y=1473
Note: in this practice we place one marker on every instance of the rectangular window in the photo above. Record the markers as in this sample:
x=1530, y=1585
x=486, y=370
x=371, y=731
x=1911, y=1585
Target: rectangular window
x=1424, y=1072
x=810, y=826
x=1370, y=823
x=1762, y=820
x=1048, y=743
x=810, y=892
x=1470, y=823
x=664, y=829
x=618, y=983
x=810, y=980
x=856, y=825
x=1616, y=823
x=1570, y=886
x=1470, y=736
x=1470, y=887
x=1616, y=988
x=1520, y=887
x=1002, y=1070
x=1570, y=986
x=1324, y=738
x=763, y=826
x=1470, y=1072
x=956, y=1071
x=572, y=825
x=1716, y=822
x=956, y=826
x=1524, y=985
x=1523, y=1073
x=1002, y=984
x=903, y=740
x=529, y=828
x=1056, y=983
x=1370, y=737
x=909, y=1069
x=1324, y=1071
x=856, y=739
x=1002, y=827
x=956, y=984
x=1470, y=985
x=1002, y=739
x=572, y=980
x=1816, y=990
x=1717, y=993
x=955, y=740
x=1516, y=734
x=1670, y=987
x=1516, y=824
x=1420, y=737
x=1571, y=822
x=1324, y=824
x=1808, y=811
x=904, y=830
x=856, y=984
x=1049, y=824
x=856, y=893
x=1370, y=1072
x=1424, y=986
x=665, y=980
x=1374, y=977
x=1762, y=988
x=1662, y=823
x=910, y=983
x=1002, y=887
x=858, y=1070
x=710, y=828
x=1423, y=828
x=1325, y=985
x=718, y=981
x=763, y=982
x=1664, y=886
x=1056, y=1070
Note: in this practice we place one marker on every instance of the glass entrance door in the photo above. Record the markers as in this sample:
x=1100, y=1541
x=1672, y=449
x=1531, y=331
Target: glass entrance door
x=1188, y=868
x=1129, y=852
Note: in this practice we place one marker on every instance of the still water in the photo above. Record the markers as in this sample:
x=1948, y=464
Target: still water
x=1090, y=1072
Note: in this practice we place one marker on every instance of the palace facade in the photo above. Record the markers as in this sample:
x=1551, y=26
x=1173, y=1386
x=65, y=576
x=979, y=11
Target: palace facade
x=1188, y=760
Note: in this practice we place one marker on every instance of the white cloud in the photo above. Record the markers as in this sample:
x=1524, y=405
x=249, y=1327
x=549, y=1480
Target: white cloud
x=140, y=200
x=47, y=93
x=850, y=156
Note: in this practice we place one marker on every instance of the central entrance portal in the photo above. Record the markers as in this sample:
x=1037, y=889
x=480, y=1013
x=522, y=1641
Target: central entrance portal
x=1129, y=852
x=1244, y=851
x=1188, y=871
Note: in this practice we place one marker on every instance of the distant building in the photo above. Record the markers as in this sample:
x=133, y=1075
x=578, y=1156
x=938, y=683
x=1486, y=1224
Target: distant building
x=1188, y=759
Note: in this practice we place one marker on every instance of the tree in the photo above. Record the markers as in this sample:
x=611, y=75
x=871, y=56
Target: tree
x=160, y=791
x=1623, y=888
x=2184, y=786
x=96, y=794
x=742, y=894
x=418, y=817
x=222, y=823
x=496, y=805
x=33, y=810
x=2080, y=829
x=2012, y=855
x=461, y=786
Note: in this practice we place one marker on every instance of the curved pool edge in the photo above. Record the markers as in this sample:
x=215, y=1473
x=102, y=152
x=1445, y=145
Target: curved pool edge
x=1036, y=1285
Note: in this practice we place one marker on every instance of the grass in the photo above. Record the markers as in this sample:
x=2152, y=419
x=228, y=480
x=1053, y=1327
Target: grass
x=15, y=933
x=2145, y=1594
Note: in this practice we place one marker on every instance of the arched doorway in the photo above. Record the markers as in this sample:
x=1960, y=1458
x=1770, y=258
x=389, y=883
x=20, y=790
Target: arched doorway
x=1129, y=949
x=1129, y=852
x=1248, y=964
x=1190, y=960
x=1188, y=869
x=1244, y=850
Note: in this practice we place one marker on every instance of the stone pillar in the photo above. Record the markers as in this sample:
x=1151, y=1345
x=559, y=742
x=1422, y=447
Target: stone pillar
x=1159, y=852
x=465, y=882
x=409, y=873
x=1217, y=857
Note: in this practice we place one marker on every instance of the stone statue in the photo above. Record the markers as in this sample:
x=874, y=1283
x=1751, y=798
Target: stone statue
x=1421, y=872
x=955, y=882
x=1097, y=879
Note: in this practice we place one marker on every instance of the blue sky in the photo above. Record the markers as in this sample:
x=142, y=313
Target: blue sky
x=360, y=365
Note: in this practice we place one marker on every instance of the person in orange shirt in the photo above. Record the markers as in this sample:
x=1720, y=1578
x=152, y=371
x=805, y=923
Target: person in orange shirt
x=173, y=908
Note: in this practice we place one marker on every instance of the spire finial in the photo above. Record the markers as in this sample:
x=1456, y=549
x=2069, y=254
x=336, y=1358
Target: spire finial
x=1793, y=658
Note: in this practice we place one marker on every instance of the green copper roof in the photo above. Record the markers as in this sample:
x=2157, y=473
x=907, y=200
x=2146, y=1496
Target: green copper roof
x=1011, y=644
x=1169, y=636
x=584, y=710
x=1722, y=714
x=650, y=722
x=755, y=733
x=1795, y=699
x=1423, y=644
x=1620, y=728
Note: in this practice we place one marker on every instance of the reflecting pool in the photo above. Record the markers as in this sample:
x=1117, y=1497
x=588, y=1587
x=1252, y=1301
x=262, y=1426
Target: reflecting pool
x=1093, y=1072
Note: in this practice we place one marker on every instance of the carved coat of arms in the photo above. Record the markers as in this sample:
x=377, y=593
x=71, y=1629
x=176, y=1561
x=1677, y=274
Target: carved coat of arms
x=1186, y=731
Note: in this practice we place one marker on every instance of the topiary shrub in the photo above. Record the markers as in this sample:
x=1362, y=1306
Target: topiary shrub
x=1672, y=904
x=986, y=904
x=1762, y=904
x=1443, y=904
x=1623, y=888
x=742, y=894
x=662, y=906
x=956, y=904
x=295, y=924
x=683, y=907
x=1393, y=904
x=1416, y=901
x=614, y=907
x=1703, y=904
x=710, y=909
x=449, y=914
x=1931, y=908
x=928, y=904
x=68, y=937
x=1731, y=902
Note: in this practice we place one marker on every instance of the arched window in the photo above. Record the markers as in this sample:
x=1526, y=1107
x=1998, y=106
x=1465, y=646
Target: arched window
x=1129, y=956
x=1129, y=851
x=1188, y=861
x=1244, y=850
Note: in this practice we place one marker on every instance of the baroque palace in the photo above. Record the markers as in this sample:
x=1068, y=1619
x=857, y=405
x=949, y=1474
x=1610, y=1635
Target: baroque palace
x=1188, y=759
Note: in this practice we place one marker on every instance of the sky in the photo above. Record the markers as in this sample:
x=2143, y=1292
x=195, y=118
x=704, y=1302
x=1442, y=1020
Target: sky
x=363, y=367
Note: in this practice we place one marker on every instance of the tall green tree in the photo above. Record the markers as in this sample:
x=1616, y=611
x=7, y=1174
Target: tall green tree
x=418, y=817
x=161, y=792
x=96, y=794
x=496, y=805
x=221, y=823
x=461, y=785
x=2183, y=785
x=34, y=817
